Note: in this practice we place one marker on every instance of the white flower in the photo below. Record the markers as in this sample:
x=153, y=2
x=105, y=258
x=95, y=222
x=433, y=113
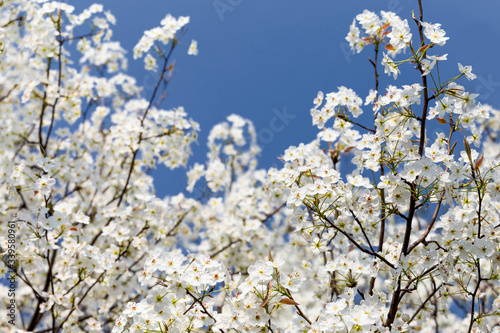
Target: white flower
x=438, y=58
x=44, y=184
x=150, y=63
x=359, y=181
x=193, y=48
x=318, y=100
x=427, y=66
x=434, y=33
x=369, y=21
x=353, y=38
x=80, y=217
x=400, y=35
x=371, y=97
x=261, y=271
x=390, y=67
x=467, y=71
x=18, y=171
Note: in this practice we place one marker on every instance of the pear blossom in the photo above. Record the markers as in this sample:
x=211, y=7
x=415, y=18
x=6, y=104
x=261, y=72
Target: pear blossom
x=434, y=33
x=400, y=35
x=377, y=224
x=467, y=71
x=193, y=48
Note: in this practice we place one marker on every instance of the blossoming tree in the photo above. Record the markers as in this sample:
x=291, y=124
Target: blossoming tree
x=378, y=225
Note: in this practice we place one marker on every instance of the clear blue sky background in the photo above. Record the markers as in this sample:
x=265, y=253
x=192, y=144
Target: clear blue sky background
x=258, y=56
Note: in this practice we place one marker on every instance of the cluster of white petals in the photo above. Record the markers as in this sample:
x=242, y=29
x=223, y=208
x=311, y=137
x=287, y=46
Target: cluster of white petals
x=386, y=222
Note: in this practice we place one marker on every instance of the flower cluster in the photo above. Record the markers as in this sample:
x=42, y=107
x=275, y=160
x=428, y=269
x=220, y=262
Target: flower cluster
x=386, y=222
x=80, y=138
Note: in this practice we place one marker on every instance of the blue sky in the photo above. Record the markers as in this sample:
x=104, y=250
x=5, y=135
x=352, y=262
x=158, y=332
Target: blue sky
x=259, y=58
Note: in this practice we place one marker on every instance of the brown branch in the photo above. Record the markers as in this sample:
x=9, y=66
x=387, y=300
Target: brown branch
x=203, y=307
x=425, y=302
x=299, y=311
x=268, y=216
x=224, y=248
x=131, y=169
x=411, y=211
x=355, y=123
x=351, y=239
x=421, y=239
x=474, y=298
x=362, y=229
